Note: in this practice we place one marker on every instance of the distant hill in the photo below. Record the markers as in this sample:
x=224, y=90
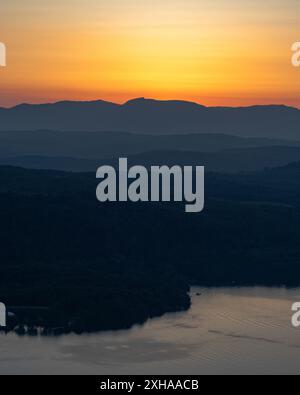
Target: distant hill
x=53, y=163
x=155, y=117
x=99, y=145
x=226, y=161
x=278, y=184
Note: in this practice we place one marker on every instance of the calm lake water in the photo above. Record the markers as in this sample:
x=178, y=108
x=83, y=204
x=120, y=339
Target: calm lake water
x=227, y=331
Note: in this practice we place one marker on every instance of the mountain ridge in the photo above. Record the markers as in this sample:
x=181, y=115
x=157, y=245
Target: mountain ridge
x=144, y=100
x=150, y=116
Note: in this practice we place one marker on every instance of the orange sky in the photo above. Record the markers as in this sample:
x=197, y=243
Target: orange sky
x=216, y=52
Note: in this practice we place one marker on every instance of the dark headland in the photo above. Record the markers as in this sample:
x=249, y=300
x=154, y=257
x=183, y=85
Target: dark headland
x=69, y=264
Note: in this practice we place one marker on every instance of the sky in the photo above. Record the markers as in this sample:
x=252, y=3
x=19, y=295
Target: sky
x=215, y=52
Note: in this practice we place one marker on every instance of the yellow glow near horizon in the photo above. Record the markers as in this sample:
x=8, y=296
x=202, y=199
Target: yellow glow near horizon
x=220, y=52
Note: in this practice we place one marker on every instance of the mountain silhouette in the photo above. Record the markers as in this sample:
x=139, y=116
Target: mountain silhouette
x=155, y=117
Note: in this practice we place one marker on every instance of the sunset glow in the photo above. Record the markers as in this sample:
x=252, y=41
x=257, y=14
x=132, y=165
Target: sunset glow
x=219, y=52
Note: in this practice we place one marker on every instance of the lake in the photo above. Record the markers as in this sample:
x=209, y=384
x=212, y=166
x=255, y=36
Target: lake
x=226, y=331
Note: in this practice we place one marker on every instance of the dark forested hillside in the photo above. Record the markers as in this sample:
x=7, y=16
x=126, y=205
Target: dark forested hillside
x=89, y=266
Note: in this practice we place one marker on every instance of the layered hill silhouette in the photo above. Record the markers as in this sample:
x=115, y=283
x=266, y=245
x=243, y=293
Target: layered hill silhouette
x=97, y=145
x=278, y=184
x=155, y=117
x=125, y=257
x=225, y=161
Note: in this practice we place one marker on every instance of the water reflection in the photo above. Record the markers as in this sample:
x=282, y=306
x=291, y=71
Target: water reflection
x=243, y=330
